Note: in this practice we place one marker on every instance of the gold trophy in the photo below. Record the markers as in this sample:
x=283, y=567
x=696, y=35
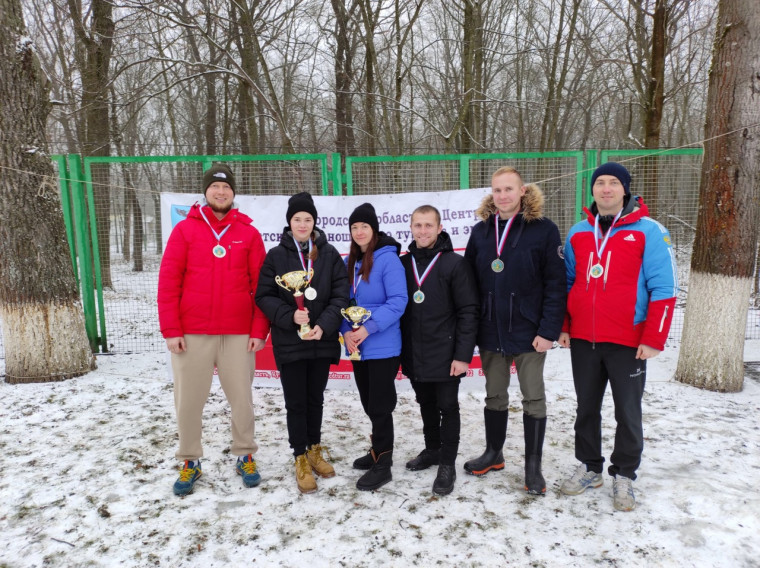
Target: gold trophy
x=295, y=281
x=357, y=316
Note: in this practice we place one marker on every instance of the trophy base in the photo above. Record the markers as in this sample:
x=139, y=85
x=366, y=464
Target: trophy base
x=304, y=331
x=355, y=356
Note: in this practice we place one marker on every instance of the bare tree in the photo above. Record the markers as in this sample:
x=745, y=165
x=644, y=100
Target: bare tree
x=727, y=226
x=43, y=326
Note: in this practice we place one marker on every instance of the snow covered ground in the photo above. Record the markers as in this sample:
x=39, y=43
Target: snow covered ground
x=86, y=469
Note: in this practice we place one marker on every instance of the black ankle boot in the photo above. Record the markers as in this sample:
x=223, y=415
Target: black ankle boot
x=444, y=481
x=379, y=474
x=535, y=429
x=366, y=461
x=424, y=460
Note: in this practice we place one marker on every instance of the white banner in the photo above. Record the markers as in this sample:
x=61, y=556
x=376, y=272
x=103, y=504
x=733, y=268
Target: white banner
x=394, y=216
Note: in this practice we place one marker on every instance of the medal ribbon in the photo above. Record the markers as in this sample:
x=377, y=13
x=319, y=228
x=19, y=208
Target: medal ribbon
x=503, y=239
x=300, y=255
x=217, y=235
x=419, y=280
x=356, y=273
x=600, y=249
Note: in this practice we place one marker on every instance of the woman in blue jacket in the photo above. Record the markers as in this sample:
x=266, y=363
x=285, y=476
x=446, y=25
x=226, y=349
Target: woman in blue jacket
x=378, y=284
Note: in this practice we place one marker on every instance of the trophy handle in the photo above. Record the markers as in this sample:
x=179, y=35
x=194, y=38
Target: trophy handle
x=280, y=282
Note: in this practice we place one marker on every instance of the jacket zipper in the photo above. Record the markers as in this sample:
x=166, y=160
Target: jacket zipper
x=664, y=317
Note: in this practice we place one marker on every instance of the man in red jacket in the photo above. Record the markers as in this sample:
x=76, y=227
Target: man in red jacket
x=208, y=276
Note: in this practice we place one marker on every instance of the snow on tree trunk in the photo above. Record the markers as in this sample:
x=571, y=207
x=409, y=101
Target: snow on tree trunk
x=43, y=325
x=722, y=263
x=713, y=334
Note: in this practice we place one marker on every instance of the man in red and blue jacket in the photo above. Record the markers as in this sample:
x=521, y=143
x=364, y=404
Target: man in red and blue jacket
x=622, y=286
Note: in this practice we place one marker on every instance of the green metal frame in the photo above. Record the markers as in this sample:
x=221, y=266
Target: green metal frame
x=77, y=197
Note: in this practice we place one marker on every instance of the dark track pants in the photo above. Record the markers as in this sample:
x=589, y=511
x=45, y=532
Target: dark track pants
x=439, y=406
x=594, y=365
x=303, y=385
x=376, y=382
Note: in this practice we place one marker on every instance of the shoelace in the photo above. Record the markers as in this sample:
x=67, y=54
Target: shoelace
x=316, y=451
x=302, y=466
x=249, y=467
x=187, y=473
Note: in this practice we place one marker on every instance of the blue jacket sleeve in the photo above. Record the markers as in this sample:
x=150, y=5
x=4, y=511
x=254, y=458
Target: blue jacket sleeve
x=394, y=282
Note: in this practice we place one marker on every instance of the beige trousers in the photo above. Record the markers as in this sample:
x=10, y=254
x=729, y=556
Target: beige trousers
x=193, y=370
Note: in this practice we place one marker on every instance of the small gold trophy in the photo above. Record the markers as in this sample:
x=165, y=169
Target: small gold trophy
x=357, y=316
x=295, y=281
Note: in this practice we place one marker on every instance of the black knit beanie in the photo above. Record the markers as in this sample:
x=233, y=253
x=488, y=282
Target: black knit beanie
x=365, y=213
x=218, y=172
x=301, y=202
x=614, y=169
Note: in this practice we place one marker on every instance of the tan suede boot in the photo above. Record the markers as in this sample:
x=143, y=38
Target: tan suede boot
x=304, y=477
x=318, y=463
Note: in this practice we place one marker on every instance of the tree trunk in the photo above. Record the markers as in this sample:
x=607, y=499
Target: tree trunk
x=345, y=143
x=43, y=324
x=711, y=355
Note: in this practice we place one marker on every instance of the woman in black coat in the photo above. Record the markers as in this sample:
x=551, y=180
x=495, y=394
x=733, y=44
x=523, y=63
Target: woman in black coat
x=304, y=362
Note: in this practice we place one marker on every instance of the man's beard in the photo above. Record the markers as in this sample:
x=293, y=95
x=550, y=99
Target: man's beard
x=216, y=209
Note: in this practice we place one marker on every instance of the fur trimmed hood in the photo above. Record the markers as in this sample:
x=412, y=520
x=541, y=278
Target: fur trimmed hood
x=531, y=204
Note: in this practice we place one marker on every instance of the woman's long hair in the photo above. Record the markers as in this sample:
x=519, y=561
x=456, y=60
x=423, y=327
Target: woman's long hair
x=355, y=253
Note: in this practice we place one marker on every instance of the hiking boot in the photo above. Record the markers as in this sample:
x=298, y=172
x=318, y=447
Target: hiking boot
x=246, y=467
x=444, y=481
x=379, y=474
x=188, y=475
x=318, y=463
x=304, y=476
x=622, y=491
x=581, y=480
x=424, y=460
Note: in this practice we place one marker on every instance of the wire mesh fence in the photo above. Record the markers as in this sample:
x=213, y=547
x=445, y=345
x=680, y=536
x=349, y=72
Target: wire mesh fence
x=126, y=195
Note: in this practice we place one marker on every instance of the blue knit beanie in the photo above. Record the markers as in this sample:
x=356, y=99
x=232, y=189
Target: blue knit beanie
x=614, y=169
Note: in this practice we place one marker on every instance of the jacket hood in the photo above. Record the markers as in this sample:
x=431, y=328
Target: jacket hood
x=385, y=240
x=443, y=244
x=531, y=204
x=232, y=215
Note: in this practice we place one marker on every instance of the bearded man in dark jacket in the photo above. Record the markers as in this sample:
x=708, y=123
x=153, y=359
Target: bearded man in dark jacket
x=439, y=329
x=516, y=254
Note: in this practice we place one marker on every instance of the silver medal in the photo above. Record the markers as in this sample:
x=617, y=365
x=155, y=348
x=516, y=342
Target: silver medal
x=497, y=265
x=596, y=271
x=219, y=251
x=418, y=297
x=310, y=293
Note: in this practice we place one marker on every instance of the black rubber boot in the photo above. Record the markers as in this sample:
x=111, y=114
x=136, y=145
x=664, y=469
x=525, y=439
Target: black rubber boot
x=424, y=460
x=444, y=481
x=379, y=474
x=535, y=428
x=366, y=461
x=496, y=433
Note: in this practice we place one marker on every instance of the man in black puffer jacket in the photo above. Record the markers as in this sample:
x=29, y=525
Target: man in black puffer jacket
x=439, y=328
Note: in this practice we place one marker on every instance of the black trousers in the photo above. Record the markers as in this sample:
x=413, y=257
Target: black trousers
x=439, y=406
x=303, y=385
x=376, y=381
x=594, y=365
